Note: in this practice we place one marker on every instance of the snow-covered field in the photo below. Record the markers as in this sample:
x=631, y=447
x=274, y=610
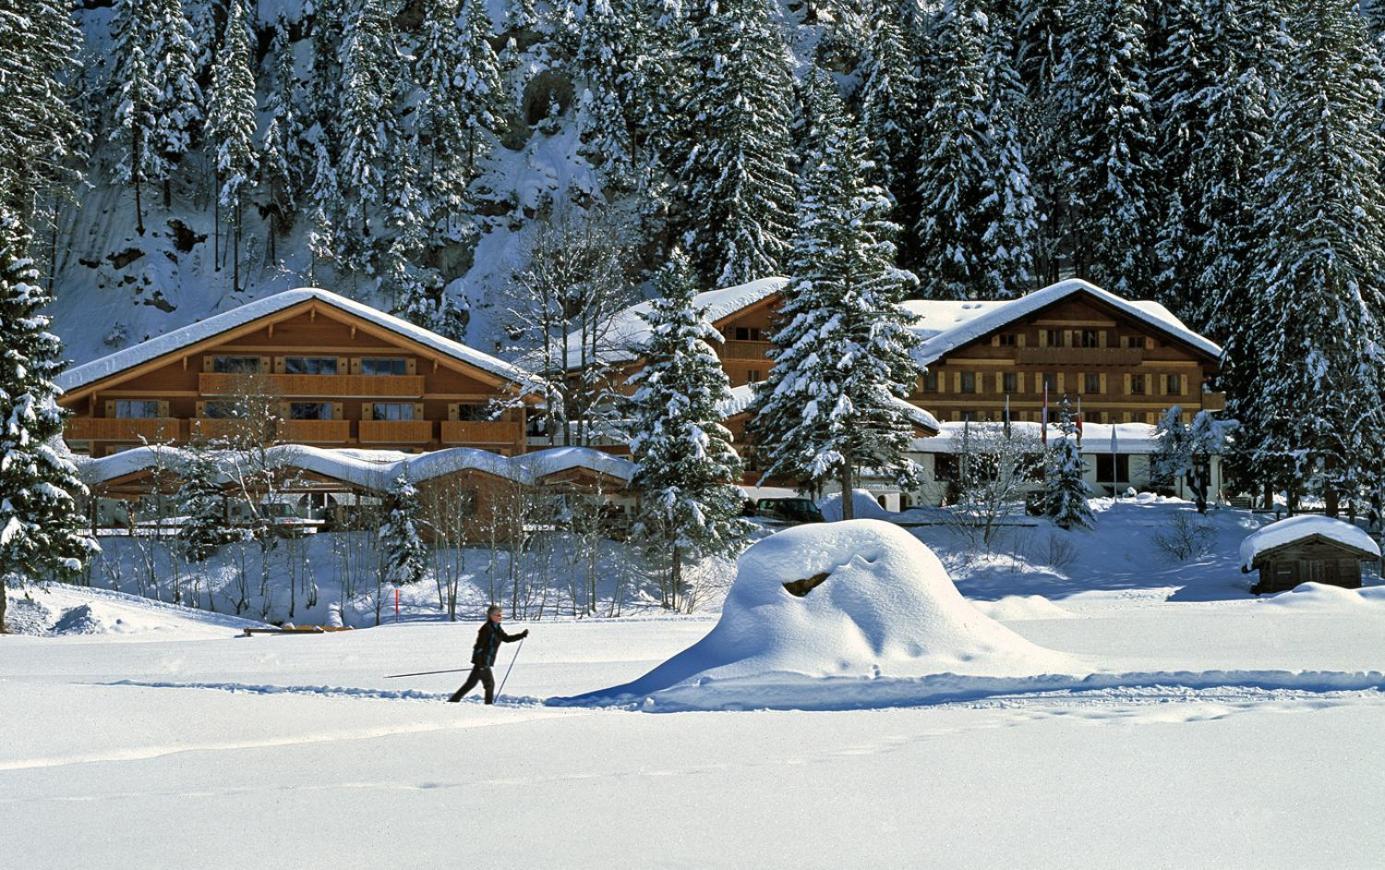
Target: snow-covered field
x=161, y=739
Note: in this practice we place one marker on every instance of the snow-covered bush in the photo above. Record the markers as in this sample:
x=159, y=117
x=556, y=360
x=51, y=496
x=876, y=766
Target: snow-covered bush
x=1186, y=537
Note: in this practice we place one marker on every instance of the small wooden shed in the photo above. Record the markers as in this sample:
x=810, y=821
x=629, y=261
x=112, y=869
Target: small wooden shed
x=1307, y=548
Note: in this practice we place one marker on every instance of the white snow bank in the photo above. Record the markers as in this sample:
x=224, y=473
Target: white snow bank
x=86, y=612
x=1018, y=608
x=882, y=605
x=1324, y=596
x=1303, y=526
x=865, y=505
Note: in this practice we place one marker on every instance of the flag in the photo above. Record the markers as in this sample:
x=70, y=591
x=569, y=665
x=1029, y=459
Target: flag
x=1079, y=421
x=1043, y=424
x=1007, y=415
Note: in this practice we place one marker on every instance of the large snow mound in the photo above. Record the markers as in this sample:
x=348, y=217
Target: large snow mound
x=1292, y=529
x=860, y=599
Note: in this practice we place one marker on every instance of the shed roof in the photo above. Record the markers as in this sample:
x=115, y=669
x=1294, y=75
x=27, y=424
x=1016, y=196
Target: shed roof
x=1305, y=527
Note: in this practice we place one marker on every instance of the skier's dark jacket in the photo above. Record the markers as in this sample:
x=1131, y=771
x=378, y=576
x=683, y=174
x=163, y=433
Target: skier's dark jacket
x=488, y=641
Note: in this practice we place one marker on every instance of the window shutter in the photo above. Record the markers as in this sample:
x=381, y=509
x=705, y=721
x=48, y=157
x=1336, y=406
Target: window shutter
x=163, y=409
x=283, y=408
x=110, y=408
x=1127, y=390
x=995, y=340
x=418, y=410
x=452, y=413
x=1061, y=389
x=1149, y=343
x=343, y=365
x=1163, y=384
x=980, y=381
x=999, y=383
x=201, y=409
x=1039, y=381
x=1101, y=338
x=956, y=382
x=265, y=364
x=336, y=411
x=411, y=366
x=1187, y=385
x=1102, y=376
x=942, y=382
x=1020, y=340
x=1019, y=382
x=1067, y=338
x=1043, y=338
x=206, y=362
x=356, y=366
x=278, y=365
x=1081, y=384
x=367, y=409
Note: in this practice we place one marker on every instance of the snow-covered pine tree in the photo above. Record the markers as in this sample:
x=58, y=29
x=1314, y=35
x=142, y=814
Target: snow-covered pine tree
x=890, y=108
x=685, y=466
x=1038, y=26
x=281, y=148
x=1308, y=362
x=733, y=154
x=324, y=76
x=1169, y=461
x=326, y=211
x=439, y=68
x=976, y=219
x=202, y=503
x=231, y=123
x=834, y=400
x=609, y=54
x=1203, y=442
x=173, y=60
x=136, y=101
x=367, y=119
x=1065, y=486
x=1107, y=163
x=41, y=527
x=405, y=553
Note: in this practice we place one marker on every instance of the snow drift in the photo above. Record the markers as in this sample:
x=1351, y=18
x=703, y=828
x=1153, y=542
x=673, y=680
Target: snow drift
x=860, y=599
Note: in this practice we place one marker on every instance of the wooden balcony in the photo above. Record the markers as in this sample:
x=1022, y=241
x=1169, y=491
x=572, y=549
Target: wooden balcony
x=316, y=386
x=1214, y=401
x=396, y=431
x=315, y=431
x=155, y=430
x=1079, y=356
x=482, y=434
x=754, y=350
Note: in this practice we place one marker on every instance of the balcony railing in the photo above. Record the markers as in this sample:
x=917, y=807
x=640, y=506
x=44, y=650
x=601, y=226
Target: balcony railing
x=756, y=350
x=396, y=431
x=315, y=431
x=151, y=429
x=472, y=433
x=1080, y=356
x=290, y=386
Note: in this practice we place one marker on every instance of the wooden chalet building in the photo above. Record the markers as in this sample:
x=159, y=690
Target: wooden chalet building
x=340, y=373
x=1307, y=548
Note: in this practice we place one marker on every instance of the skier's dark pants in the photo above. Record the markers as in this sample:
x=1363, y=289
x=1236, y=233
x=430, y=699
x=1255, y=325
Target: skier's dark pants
x=481, y=675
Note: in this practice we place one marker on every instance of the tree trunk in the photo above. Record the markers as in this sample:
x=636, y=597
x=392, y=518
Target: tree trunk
x=1269, y=496
x=216, y=222
x=1332, y=505
x=168, y=192
x=675, y=577
x=3, y=596
x=848, y=503
x=235, y=250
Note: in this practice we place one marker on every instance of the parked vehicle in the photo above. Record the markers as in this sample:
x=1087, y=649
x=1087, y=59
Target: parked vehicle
x=785, y=511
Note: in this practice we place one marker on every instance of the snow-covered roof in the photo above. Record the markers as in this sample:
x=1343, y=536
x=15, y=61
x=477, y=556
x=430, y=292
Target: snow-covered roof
x=377, y=470
x=628, y=329
x=742, y=396
x=1288, y=531
x=946, y=325
x=1130, y=438
x=172, y=342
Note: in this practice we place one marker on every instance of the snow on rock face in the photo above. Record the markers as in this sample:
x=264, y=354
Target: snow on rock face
x=1287, y=531
x=861, y=599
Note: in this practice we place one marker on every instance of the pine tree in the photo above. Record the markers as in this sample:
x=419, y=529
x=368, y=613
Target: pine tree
x=405, y=554
x=281, y=152
x=609, y=55
x=1107, y=167
x=834, y=400
x=890, y=108
x=173, y=56
x=137, y=101
x=327, y=207
x=41, y=526
x=1065, y=485
x=367, y=111
x=685, y=466
x=441, y=124
x=202, y=503
x=1307, y=364
x=231, y=123
x=732, y=159
x=1170, y=459
x=1203, y=442
x=977, y=215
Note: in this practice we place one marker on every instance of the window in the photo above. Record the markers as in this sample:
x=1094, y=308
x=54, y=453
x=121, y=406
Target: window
x=1007, y=339
x=1055, y=337
x=968, y=382
x=1173, y=385
x=223, y=410
x=1112, y=469
x=1087, y=338
x=748, y=333
x=473, y=412
x=944, y=466
x=1091, y=383
x=235, y=365
x=310, y=365
x=930, y=381
x=969, y=417
x=1050, y=382
x=1009, y=382
x=392, y=411
x=1137, y=385
x=384, y=365
x=131, y=409
x=310, y=410
x=753, y=376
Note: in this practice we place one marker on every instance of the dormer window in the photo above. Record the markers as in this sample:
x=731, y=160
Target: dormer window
x=310, y=365
x=1008, y=339
x=384, y=365
x=236, y=365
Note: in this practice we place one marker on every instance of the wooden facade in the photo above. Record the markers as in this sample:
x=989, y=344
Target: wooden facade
x=1121, y=369
x=335, y=380
x=1311, y=559
x=744, y=351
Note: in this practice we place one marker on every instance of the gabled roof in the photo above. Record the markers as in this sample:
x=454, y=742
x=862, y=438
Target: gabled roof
x=628, y=329
x=947, y=325
x=180, y=340
x=1302, y=528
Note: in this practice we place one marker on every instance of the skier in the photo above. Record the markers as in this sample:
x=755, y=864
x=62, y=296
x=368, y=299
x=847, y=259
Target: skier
x=488, y=641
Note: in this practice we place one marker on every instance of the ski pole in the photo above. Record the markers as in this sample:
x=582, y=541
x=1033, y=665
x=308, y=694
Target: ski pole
x=426, y=673
x=510, y=668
